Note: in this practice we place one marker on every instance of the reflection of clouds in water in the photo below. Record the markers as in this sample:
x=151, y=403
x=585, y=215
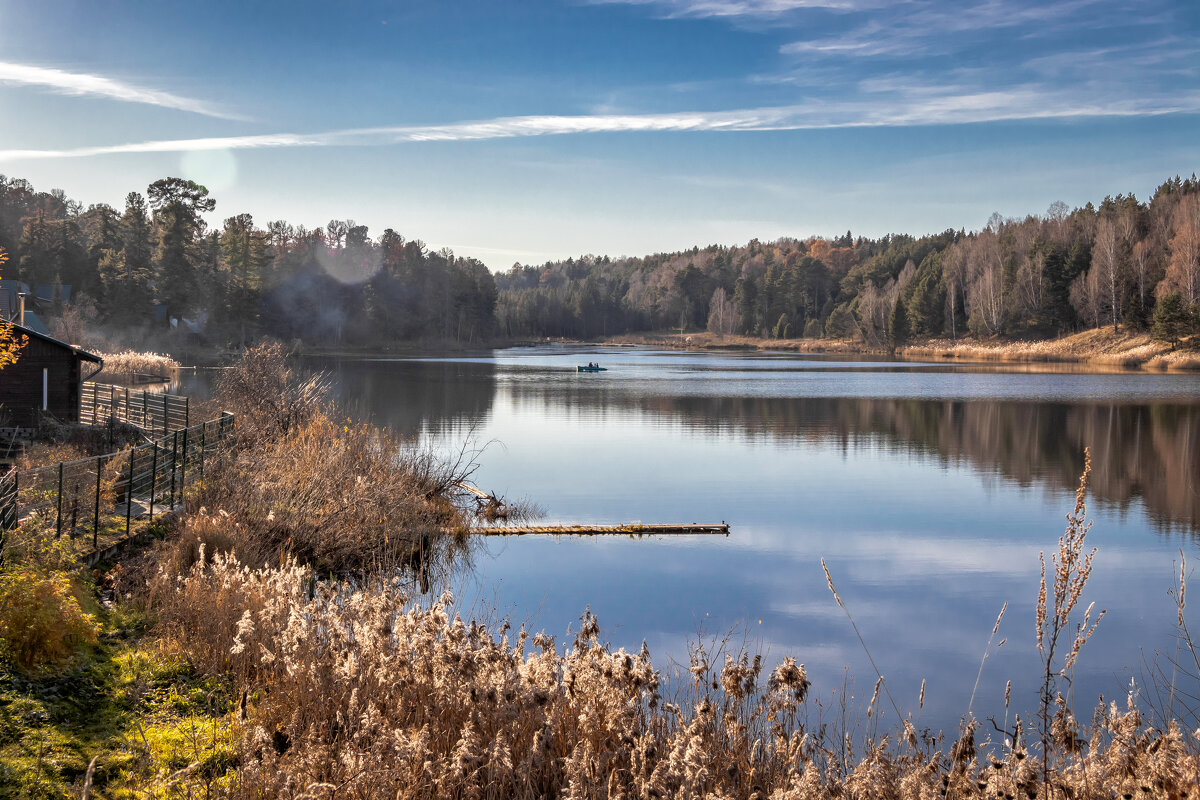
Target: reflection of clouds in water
x=897, y=558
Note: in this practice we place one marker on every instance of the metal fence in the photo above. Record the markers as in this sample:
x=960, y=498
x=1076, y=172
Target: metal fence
x=102, y=495
x=157, y=413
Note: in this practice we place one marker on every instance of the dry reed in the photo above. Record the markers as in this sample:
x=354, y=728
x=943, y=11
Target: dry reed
x=356, y=688
x=132, y=362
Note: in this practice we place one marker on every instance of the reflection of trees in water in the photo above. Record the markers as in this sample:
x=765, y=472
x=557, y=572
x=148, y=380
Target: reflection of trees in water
x=1146, y=451
x=407, y=397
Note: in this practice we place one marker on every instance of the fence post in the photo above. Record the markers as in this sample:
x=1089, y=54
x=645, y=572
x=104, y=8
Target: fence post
x=58, y=523
x=96, y=518
x=153, y=477
x=165, y=412
x=127, y=404
x=144, y=401
x=129, y=492
x=95, y=387
x=174, y=464
x=203, y=428
x=183, y=468
x=8, y=507
x=187, y=413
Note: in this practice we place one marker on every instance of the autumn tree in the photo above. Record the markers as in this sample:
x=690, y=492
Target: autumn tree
x=1087, y=296
x=1110, y=277
x=721, y=313
x=1183, y=272
x=10, y=342
x=897, y=325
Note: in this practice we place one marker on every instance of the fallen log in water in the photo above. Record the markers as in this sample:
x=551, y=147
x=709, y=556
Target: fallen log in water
x=631, y=528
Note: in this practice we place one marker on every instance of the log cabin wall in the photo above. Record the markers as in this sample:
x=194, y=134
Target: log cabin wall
x=21, y=383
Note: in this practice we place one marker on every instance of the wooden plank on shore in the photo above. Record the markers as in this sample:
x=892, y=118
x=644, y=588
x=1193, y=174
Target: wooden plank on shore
x=631, y=528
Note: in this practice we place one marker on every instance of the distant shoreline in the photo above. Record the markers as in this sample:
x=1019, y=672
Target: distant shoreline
x=1100, y=347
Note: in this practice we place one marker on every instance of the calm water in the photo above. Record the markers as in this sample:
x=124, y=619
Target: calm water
x=928, y=489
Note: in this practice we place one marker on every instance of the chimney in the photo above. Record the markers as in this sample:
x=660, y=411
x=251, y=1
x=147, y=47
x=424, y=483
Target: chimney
x=21, y=308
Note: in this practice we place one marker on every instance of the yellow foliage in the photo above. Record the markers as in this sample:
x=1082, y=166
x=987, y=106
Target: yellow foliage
x=41, y=621
x=10, y=343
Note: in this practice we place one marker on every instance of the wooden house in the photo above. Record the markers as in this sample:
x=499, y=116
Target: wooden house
x=46, y=379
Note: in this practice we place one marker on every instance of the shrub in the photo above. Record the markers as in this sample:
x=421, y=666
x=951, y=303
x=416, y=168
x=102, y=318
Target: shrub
x=42, y=623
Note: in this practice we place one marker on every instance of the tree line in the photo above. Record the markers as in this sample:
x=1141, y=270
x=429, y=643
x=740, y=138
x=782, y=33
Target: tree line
x=1123, y=262
x=156, y=260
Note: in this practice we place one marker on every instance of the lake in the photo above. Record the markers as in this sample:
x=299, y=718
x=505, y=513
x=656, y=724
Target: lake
x=929, y=490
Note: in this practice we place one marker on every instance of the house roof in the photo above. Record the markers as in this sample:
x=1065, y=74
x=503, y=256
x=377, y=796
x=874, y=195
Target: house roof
x=9, y=288
x=79, y=351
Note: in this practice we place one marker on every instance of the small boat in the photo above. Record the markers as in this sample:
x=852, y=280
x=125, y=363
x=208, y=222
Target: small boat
x=591, y=368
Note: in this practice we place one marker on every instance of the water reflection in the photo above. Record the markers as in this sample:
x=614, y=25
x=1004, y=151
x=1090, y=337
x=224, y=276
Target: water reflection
x=412, y=396
x=1140, y=451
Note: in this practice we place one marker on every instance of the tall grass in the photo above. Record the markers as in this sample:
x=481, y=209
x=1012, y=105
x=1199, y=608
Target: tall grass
x=358, y=689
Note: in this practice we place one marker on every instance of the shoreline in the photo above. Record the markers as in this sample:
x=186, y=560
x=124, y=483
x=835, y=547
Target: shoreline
x=1099, y=347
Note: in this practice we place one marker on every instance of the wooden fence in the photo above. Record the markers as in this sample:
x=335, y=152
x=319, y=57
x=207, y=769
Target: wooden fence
x=102, y=495
x=156, y=413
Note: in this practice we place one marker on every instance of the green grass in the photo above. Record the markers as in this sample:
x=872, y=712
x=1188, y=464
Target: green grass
x=140, y=711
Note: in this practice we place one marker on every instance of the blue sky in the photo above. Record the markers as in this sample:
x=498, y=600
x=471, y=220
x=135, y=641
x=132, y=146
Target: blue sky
x=547, y=128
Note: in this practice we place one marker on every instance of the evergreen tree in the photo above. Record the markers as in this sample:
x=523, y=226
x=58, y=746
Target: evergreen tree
x=1171, y=319
x=177, y=205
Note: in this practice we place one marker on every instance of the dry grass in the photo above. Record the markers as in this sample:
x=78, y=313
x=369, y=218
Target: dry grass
x=130, y=362
x=1100, y=347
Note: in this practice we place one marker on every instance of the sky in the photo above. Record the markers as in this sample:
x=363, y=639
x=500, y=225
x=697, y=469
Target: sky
x=537, y=130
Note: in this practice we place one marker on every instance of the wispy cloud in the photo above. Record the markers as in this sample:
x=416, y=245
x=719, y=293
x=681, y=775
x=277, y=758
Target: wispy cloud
x=920, y=28
x=758, y=9
x=83, y=84
x=925, y=106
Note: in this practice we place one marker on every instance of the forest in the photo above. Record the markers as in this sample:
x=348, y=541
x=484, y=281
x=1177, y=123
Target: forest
x=1124, y=262
x=156, y=260
x=1113, y=264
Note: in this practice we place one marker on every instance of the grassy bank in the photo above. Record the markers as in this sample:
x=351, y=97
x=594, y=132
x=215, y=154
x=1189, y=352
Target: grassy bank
x=1101, y=347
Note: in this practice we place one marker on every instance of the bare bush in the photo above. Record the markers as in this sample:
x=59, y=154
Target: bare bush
x=267, y=395
x=343, y=496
